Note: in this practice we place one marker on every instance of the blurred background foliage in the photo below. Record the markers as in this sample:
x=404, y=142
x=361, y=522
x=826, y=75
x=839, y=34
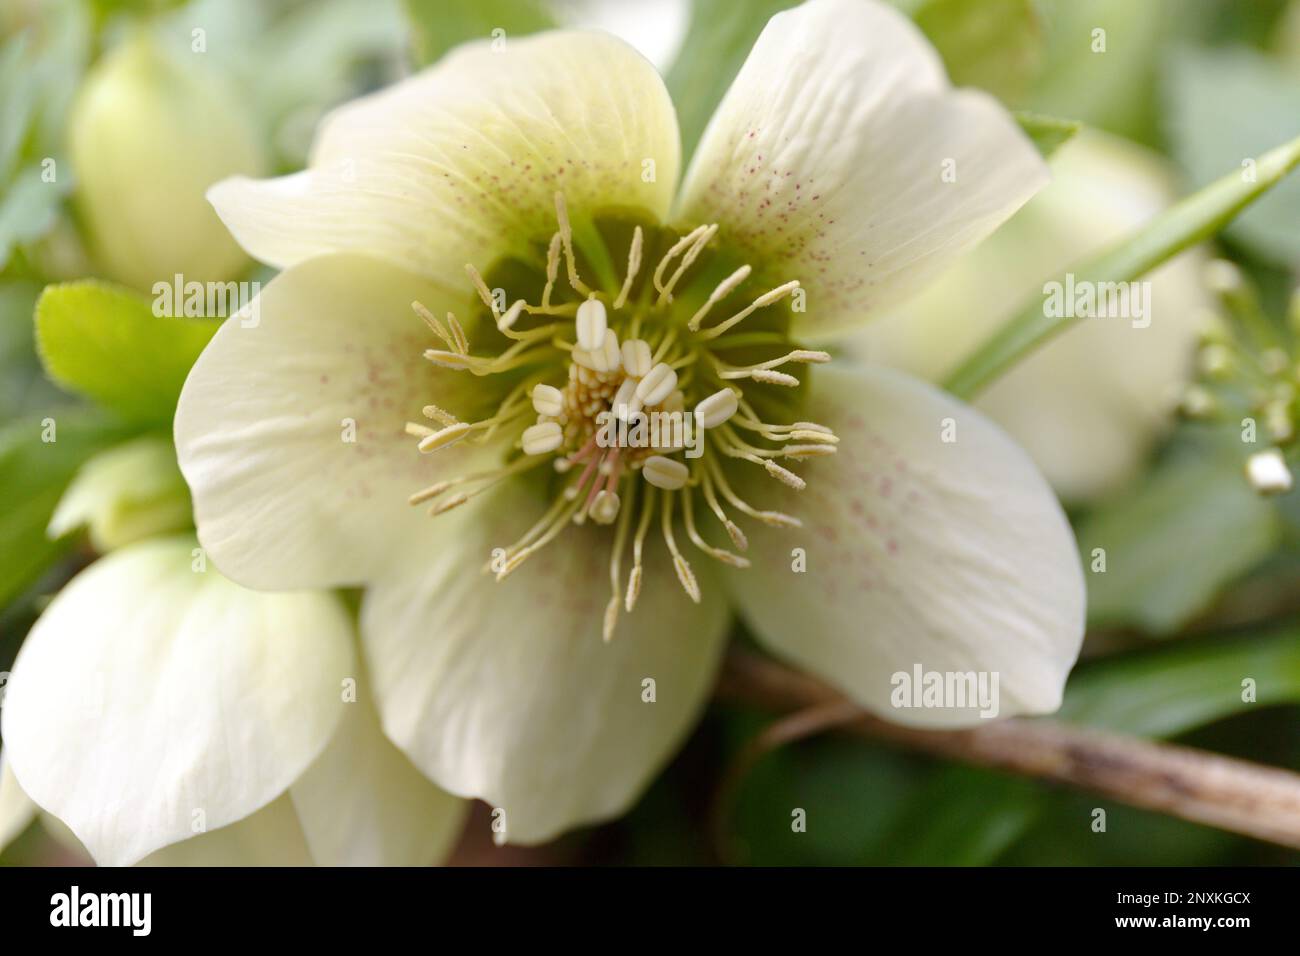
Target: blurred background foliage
x=1203, y=579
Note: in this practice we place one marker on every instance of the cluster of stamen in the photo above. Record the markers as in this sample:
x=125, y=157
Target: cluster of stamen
x=658, y=368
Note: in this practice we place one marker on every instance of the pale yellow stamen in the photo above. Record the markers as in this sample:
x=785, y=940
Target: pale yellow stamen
x=717, y=408
x=638, y=545
x=666, y=473
x=592, y=323
x=692, y=253
x=688, y=514
x=683, y=568
x=724, y=288
x=547, y=400
x=657, y=385
x=432, y=322
x=439, y=415
x=616, y=564
x=764, y=300
x=566, y=238
x=633, y=267
x=637, y=360
x=445, y=436
x=677, y=248
x=733, y=530
x=552, y=269
x=775, y=519
x=542, y=438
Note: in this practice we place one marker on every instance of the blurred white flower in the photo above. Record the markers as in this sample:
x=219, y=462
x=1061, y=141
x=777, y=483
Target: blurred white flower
x=1089, y=404
x=156, y=704
x=148, y=134
x=124, y=495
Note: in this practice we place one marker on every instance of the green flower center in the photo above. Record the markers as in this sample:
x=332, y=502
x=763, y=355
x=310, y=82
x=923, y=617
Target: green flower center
x=640, y=389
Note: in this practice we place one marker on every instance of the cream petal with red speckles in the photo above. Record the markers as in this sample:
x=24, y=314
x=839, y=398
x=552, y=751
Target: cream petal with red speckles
x=461, y=162
x=951, y=555
x=505, y=690
x=291, y=434
x=842, y=158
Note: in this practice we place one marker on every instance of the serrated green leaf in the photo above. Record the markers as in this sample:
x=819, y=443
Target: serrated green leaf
x=1190, y=221
x=718, y=38
x=1048, y=133
x=105, y=343
x=1173, y=542
x=1226, y=107
x=996, y=45
x=439, y=25
x=33, y=475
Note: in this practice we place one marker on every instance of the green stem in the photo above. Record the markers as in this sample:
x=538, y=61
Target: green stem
x=1195, y=218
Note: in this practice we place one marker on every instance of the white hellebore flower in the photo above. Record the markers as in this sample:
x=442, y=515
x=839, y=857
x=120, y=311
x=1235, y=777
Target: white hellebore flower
x=157, y=706
x=593, y=286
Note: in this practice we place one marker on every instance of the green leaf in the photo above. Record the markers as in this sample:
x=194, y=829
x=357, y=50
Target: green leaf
x=993, y=44
x=967, y=816
x=1173, y=542
x=1111, y=89
x=962, y=816
x=104, y=342
x=22, y=384
x=1176, y=689
x=996, y=45
x=439, y=25
x=1048, y=133
x=1225, y=107
x=1193, y=219
x=718, y=38
x=33, y=475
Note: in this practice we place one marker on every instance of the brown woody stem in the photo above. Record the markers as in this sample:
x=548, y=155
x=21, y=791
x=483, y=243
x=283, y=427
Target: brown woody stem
x=1224, y=792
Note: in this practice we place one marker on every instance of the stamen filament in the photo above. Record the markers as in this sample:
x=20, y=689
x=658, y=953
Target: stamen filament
x=638, y=544
x=723, y=289
x=633, y=267
x=685, y=576
x=616, y=562
x=688, y=514
x=764, y=300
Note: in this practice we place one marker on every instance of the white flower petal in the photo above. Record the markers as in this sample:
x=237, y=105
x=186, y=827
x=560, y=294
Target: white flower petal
x=270, y=837
x=291, y=433
x=954, y=556
x=16, y=808
x=827, y=159
x=461, y=162
x=506, y=691
x=362, y=803
x=1113, y=379
x=149, y=699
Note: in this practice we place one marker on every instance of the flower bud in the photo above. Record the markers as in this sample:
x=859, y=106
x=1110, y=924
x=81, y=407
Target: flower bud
x=149, y=133
x=125, y=494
